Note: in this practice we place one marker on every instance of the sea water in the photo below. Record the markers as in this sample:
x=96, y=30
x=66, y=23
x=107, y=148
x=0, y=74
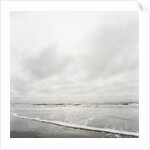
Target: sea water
x=115, y=118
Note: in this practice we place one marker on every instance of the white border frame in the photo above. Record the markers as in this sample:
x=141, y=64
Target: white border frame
x=79, y=143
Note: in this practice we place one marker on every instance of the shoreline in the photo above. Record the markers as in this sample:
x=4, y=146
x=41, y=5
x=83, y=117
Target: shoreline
x=32, y=129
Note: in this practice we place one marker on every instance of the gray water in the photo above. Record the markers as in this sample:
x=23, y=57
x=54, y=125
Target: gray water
x=108, y=116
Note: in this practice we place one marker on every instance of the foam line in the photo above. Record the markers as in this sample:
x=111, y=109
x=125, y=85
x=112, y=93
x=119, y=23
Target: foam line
x=79, y=126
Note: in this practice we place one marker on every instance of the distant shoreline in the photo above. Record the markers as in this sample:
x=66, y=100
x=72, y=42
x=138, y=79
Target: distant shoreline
x=77, y=104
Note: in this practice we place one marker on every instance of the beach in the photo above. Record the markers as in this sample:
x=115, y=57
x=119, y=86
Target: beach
x=75, y=121
x=22, y=128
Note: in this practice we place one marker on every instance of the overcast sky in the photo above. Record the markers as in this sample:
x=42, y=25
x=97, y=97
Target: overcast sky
x=65, y=56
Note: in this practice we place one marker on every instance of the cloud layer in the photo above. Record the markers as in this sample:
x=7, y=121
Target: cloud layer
x=73, y=56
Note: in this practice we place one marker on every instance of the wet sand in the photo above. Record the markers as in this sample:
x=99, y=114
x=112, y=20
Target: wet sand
x=22, y=128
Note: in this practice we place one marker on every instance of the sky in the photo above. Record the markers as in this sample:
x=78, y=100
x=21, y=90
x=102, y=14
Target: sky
x=74, y=56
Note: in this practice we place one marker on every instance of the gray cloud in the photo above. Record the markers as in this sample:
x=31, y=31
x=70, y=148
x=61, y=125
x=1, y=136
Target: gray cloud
x=90, y=55
x=46, y=64
x=113, y=50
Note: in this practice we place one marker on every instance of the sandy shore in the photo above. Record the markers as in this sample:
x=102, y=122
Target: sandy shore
x=22, y=128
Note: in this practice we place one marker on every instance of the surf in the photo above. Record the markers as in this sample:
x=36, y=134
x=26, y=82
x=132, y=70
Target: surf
x=81, y=127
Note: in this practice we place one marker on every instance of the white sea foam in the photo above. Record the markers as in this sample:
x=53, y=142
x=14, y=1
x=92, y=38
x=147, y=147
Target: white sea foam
x=79, y=126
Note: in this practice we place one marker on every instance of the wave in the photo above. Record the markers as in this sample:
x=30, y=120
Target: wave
x=59, y=123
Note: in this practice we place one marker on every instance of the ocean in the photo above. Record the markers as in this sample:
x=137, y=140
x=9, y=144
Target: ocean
x=111, y=120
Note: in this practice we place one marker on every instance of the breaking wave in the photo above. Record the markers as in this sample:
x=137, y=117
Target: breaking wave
x=59, y=123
